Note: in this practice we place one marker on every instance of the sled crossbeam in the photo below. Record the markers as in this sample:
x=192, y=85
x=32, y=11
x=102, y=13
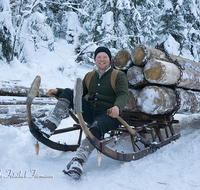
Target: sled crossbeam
x=114, y=138
x=68, y=129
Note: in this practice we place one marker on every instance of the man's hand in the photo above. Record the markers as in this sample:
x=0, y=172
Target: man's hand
x=113, y=112
x=52, y=92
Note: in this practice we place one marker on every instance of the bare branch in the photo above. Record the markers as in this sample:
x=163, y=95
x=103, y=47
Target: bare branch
x=104, y=39
x=70, y=5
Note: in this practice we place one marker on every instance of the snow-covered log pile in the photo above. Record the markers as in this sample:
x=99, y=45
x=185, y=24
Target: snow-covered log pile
x=13, y=103
x=160, y=83
x=13, y=109
x=13, y=88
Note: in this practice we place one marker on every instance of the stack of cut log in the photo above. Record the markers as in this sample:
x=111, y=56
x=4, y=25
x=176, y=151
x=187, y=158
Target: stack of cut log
x=13, y=104
x=13, y=109
x=156, y=84
x=13, y=88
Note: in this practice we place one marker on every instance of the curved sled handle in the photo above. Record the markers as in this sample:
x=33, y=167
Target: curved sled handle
x=132, y=131
x=78, y=107
x=129, y=129
x=78, y=92
x=33, y=92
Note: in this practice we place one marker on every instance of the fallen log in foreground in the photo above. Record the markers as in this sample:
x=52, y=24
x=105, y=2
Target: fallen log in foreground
x=19, y=109
x=19, y=91
x=13, y=109
x=14, y=89
x=17, y=100
x=17, y=119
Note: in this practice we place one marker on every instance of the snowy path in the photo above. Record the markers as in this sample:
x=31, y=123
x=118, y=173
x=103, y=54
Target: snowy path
x=175, y=166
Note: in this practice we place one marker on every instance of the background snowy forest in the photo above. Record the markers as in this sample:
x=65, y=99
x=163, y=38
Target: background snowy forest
x=119, y=24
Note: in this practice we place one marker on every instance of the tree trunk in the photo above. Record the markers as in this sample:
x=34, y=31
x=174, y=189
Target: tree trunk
x=13, y=90
x=156, y=100
x=14, y=119
x=10, y=100
x=166, y=73
x=122, y=60
x=161, y=100
x=135, y=76
x=161, y=72
x=141, y=54
x=132, y=103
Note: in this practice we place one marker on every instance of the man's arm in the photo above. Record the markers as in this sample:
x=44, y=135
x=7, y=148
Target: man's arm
x=114, y=112
x=122, y=94
x=52, y=92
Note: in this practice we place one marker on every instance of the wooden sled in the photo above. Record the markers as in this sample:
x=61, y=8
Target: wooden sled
x=149, y=133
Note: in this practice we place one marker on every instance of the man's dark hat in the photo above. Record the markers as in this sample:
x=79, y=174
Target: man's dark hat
x=102, y=49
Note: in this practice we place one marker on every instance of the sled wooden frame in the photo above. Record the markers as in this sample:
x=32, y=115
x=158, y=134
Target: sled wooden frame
x=144, y=125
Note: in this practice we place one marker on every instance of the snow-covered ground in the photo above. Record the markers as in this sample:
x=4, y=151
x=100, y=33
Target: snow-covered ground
x=173, y=167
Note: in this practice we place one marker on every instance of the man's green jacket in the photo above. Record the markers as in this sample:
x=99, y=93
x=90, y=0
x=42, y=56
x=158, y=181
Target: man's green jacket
x=101, y=95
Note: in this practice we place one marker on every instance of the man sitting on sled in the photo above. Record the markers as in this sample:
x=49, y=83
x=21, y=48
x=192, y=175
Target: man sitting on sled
x=101, y=97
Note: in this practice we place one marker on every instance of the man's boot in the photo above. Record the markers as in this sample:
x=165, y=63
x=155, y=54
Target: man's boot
x=48, y=126
x=74, y=168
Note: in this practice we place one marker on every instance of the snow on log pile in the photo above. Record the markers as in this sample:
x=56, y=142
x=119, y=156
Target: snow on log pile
x=157, y=85
x=13, y=104
x=12, y=88
x=13, y=109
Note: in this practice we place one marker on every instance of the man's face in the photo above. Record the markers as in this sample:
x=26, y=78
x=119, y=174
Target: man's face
x=102, y=61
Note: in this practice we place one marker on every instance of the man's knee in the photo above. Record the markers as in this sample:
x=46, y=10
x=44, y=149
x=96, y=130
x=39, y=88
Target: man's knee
x=94, y=129
x=68, y=94
x=101, y=126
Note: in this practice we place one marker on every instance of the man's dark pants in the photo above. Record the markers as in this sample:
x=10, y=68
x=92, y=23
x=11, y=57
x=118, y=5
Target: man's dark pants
x=99, y=121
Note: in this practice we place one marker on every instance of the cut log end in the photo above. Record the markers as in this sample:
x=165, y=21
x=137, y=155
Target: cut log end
x=122, y=60
x=138, y=55
x=156, y=100
x=155, y=72
x=135, y=76
x=161, y=72
x=132, y=103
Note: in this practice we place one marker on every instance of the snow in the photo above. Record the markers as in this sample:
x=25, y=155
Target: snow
x=175, y=166
x=56, y=68
x=172, y=46
x=122, y=4
x=180, y=2
x=168, y=4
x=107, y=21
x=147, y=100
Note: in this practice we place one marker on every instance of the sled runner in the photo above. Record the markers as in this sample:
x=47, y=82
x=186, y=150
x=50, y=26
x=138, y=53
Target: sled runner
x=144, y=133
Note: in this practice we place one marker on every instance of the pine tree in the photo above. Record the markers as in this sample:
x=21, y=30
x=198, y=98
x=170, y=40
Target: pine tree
x=5, y=43
x=172, y=24
x=5, y=33
x=191, y=13
x=149, y=22
x=120, y=24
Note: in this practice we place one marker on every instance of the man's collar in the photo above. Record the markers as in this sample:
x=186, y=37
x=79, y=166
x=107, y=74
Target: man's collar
x=100, y=75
